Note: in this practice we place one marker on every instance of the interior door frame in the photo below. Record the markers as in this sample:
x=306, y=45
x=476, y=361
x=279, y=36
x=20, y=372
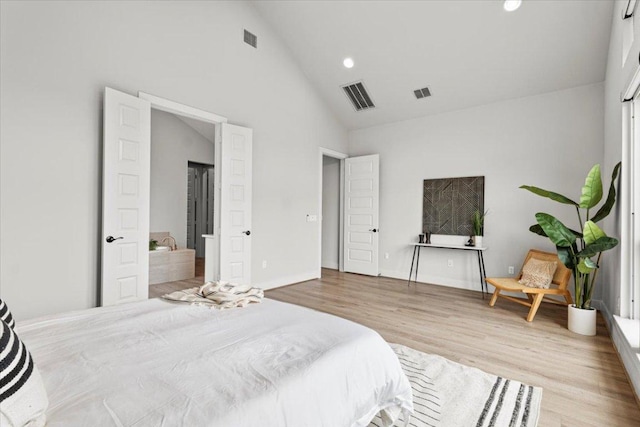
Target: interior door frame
x=206, y=193
x=183, y=110
x=340, y=156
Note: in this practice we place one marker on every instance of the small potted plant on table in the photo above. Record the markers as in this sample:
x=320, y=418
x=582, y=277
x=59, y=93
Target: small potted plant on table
x=477, y=222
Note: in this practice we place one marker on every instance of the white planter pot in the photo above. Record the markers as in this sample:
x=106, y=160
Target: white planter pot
x=477, y=241
x=582, y=321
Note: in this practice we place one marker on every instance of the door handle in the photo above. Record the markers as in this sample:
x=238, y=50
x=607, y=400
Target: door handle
x=113, y=239
x=375, y=230
x=247, y=232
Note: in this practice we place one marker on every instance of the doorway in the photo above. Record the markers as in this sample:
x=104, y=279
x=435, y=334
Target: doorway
x=330, y=213
x=126, y=240
x=358, y=212
x=331, y=210
x=200, y=208
x=181, y=200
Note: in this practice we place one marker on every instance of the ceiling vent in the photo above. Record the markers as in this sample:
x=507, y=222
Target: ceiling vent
x=358, y=96
x=250, y=39
x=422, y=93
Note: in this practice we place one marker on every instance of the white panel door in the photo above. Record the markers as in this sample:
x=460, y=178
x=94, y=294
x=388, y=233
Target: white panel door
x=361, y=199
x=235, y=204
x=125, y=198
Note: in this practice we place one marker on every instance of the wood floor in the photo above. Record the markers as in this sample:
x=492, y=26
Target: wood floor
x=583, y=380
x=160, y=289
x=199, y=268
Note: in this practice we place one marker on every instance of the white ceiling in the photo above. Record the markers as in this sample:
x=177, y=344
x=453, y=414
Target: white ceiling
x=468, y=52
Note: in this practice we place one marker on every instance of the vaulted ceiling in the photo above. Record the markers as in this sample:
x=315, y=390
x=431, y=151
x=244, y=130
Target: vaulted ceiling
x=467, y=52
x=206, y=130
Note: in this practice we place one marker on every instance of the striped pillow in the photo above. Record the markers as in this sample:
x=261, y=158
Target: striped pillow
x=5, y=314
x=24, y=399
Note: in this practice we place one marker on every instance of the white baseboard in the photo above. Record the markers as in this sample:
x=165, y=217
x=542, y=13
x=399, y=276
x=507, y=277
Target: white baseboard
x=288, y=280
x=628, y=354
x=333, y=265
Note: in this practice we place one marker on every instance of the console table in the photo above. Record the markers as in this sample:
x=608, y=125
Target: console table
x=415, y=260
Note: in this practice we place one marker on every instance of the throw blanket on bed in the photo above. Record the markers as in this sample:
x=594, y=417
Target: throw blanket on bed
x=218, y=295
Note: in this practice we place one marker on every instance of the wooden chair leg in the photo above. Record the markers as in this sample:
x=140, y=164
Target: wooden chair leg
x=530, y=298
x=567, y=296
x=534, y=307
x=494, y=297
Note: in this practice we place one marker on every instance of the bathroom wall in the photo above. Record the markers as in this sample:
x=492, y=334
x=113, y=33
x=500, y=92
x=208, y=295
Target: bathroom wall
x=173, y=145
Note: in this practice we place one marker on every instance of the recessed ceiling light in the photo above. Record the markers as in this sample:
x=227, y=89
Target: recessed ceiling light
x=348, y=62
x=511, y=5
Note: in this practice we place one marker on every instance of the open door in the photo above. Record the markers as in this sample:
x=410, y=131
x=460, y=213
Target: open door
x=125, y=198
x=235, y=204
x=361, y=199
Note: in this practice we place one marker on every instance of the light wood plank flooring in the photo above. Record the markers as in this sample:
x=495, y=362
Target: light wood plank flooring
x=199, y=270
x=160, y=289
x=583, y=380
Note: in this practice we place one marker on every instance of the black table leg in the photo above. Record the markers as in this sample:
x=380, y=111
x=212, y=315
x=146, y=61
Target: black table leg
x=483, y=274
x=413, y=258
x=417, y=262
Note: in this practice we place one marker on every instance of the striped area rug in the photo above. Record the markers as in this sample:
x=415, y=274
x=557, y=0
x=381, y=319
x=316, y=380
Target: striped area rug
x=448, y=394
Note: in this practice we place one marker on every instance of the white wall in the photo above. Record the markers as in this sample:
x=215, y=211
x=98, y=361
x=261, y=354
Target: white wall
x=173, y=145
x=330, y=212
x=549, y=140
x=55, y=60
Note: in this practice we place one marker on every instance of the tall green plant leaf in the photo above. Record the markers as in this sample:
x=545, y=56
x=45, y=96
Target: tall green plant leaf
x=549, y=194
x=600, y=245
x=557, y=232
x=592, y=232
x=584, y=268
x=611, y=197
x=535, y=228
x=590, y=263
x=592, y=190
x=566, y=257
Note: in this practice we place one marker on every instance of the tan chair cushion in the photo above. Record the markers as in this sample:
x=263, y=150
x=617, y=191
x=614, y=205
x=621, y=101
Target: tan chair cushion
x=538, y=274
x=509, y=284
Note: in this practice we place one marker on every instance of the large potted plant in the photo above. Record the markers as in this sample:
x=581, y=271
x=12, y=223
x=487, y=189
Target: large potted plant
x=580, y=251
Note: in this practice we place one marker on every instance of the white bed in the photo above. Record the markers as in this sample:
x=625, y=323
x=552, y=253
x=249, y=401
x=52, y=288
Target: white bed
x=157, y=363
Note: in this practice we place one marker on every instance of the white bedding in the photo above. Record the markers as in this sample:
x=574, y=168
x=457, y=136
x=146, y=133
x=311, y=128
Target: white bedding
x=156, y=363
